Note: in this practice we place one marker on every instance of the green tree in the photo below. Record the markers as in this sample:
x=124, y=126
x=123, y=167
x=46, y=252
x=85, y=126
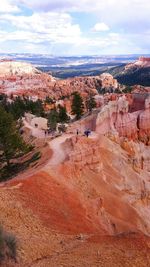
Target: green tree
x=53, y=118
x=62, y=113
x=90, y=103
x=20, y=105
x=77, y=106
x=11, y=142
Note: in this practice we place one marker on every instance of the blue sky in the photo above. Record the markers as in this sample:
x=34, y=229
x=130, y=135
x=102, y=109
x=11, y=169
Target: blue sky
x=69, y=27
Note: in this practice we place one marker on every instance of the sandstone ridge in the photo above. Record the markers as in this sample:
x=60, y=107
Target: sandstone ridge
x=142, y=62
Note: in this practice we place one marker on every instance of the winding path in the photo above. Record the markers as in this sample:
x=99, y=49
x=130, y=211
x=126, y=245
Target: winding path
x=58, y=152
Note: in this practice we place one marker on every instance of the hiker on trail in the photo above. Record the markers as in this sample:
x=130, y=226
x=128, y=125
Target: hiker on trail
x=77, y=132
x=45, y=133
x=87, y=132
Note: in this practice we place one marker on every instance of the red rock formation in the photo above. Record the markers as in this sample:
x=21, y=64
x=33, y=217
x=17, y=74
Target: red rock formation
x=99, y=169
x=142, y=62
x=144, y=123
x=22, y=78
x=108, y=82
x=115, y=118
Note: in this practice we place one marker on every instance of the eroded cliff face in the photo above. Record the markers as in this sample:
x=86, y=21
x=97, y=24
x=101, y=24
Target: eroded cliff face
x=115, y=118
x=114, y=176
x=144, y=123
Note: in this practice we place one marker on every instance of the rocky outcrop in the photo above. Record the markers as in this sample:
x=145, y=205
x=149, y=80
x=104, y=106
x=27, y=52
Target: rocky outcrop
x=138, y=100
x=110, y=177
x=115, y=118
x=108, y=82
x=15, y=68
x=142, y=62
x=144, y=123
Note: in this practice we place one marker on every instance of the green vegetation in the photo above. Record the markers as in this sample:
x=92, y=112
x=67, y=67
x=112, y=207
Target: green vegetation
x=18, y=106
x=90, y=103
x=53, y=118
x=8, y=246
x=131, y=76
x=11, y=142
x=57, y=115
x=15, y=168
x=77, y=105
x=12, y=147
x=62, y=114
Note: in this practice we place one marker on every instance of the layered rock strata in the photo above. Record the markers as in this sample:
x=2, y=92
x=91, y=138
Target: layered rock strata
x=115, y=118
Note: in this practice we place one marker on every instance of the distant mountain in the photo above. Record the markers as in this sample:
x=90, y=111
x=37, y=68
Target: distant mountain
x=134, y=73
x=66, y=67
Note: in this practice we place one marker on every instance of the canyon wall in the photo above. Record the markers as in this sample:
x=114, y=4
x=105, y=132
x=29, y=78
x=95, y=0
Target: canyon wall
x=115, y=118
x=114, y=179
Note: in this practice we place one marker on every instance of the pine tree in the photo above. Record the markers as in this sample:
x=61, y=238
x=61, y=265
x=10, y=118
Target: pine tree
x=11, y=142
x=53, y=118
x=63, y=117
x=77, y=106
x=90, y=103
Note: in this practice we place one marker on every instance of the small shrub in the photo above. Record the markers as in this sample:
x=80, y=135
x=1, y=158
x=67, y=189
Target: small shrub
x=8, y=246
x=11, y=244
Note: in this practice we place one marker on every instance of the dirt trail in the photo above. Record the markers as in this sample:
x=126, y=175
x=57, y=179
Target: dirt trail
x=58, y=152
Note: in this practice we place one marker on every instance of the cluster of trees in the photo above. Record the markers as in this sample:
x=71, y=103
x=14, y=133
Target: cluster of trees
x=78, y=105
x=57, y=115
x=12, y=145
x=11, y=142
x=18, y=106
x=90, y=103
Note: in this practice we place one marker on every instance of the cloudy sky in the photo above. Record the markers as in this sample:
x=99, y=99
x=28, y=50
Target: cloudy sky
x=75, y=27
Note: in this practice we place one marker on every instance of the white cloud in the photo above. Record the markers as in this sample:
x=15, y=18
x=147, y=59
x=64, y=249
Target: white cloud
x=100, y=27
x=86, y=5
x=124, y=25
x=125, y=15
x=52, y=26
x=8, y=6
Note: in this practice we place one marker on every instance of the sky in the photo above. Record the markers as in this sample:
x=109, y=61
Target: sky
x=75, y=27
